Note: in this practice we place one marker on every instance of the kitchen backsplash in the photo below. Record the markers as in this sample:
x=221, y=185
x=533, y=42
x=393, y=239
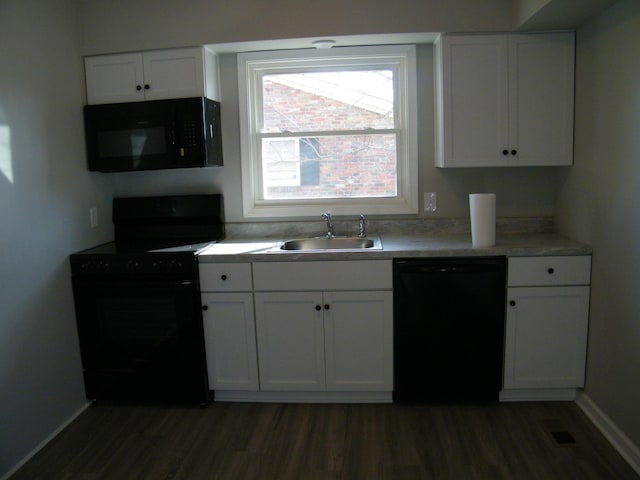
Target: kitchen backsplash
x=349, y=226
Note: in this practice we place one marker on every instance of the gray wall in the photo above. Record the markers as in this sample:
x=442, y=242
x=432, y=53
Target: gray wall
x=121, y=25
x=598, y=201
x=45, y=194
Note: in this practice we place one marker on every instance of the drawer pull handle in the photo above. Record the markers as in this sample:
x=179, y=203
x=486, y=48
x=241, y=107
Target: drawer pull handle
x=550, y=271
x=512, y=303
x=223, y=277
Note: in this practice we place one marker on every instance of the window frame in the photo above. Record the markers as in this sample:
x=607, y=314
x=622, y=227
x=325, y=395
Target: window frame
x=251, y=67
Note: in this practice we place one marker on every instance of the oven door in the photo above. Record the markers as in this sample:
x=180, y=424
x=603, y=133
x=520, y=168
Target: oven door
x=141, y=340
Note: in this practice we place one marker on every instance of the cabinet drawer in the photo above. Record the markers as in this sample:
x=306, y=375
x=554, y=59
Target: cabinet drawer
x=225, y=277
x=543, y=271
x=331, y=275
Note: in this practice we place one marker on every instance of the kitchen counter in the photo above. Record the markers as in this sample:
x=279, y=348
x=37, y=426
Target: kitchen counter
x=256, y=296
x=398, y=245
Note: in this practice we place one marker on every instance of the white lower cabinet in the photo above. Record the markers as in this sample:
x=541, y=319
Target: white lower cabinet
x=230, y=341
x=323, y=331
x=229, y=326
x=334, y=341
x=546, y=327
x=546, y=337
x=299, y=331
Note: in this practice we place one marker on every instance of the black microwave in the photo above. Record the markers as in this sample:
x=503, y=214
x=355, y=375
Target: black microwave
x=158, y=134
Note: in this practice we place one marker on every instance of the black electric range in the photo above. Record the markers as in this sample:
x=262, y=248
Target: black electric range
x=137, y=301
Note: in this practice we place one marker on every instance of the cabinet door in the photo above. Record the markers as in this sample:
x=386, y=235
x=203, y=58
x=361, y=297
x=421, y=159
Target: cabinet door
x=290, y=336
x=114, y=78
x=177, y=73
x=541, y=72
x=472, y=95
x=359, y=341
x=546, y=337
x=505, y=100
x=230, y=341
x=157, y=75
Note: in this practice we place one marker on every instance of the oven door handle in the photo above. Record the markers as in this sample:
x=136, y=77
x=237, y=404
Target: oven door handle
x=129, y=284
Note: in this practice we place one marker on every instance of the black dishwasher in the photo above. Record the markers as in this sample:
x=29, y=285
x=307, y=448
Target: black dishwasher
x=448, y=328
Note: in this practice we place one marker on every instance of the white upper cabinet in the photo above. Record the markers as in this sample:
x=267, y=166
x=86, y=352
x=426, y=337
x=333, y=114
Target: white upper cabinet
x=504, y=100
x=114, y=78
x=154, y=75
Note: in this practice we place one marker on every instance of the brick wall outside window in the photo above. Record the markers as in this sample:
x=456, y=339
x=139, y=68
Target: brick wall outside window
x=349, y=166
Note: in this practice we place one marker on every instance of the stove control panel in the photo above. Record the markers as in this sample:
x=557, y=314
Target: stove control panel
x=147, y=264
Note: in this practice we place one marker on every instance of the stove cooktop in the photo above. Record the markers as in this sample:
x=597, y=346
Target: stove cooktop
x=112, y=248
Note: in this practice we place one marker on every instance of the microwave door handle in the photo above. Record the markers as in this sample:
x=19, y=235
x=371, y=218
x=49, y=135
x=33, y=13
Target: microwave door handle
x=177, y=144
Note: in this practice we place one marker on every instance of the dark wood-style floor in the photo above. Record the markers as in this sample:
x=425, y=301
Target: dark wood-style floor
x=296, y=441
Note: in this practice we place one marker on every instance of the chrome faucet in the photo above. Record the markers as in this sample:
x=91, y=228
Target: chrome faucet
x=327, y=218
x=361, y=227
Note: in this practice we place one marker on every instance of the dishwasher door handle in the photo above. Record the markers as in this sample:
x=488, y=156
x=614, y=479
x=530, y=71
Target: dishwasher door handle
x=449, y=269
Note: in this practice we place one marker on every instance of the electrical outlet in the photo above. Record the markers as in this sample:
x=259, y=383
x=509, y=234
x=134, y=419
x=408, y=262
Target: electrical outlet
x=93, y=217
x=429, y=201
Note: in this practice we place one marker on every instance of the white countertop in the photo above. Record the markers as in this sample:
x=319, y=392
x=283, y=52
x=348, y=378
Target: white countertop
x=397, y=246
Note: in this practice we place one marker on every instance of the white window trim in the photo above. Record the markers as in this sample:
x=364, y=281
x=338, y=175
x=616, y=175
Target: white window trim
x=400, y=57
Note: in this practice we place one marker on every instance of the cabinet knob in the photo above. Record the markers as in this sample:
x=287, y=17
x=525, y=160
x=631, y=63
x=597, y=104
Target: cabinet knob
x=550, y=270
x=512, y=303
x=327, y=306
x=505, y=152
x=205, y=307
x=318, y=308
x=514, y=152
x=223, y=277
x=146, y=86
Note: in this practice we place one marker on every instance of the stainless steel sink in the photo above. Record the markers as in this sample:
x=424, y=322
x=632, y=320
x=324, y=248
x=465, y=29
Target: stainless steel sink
x=333, y=243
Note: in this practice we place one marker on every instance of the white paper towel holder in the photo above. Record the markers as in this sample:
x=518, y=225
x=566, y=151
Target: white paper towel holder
x=482, y=211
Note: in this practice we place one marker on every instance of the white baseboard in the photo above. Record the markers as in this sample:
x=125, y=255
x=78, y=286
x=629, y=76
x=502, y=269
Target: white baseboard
x=42, y=444
x=625, y=447
x=538, y=395
x=303, y=397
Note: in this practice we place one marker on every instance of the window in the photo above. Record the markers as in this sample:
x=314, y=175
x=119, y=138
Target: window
x=328, y=130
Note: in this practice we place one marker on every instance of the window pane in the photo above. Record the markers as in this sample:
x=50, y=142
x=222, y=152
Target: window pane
x=327, y=101
x=281, y=162
x=342, y=166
